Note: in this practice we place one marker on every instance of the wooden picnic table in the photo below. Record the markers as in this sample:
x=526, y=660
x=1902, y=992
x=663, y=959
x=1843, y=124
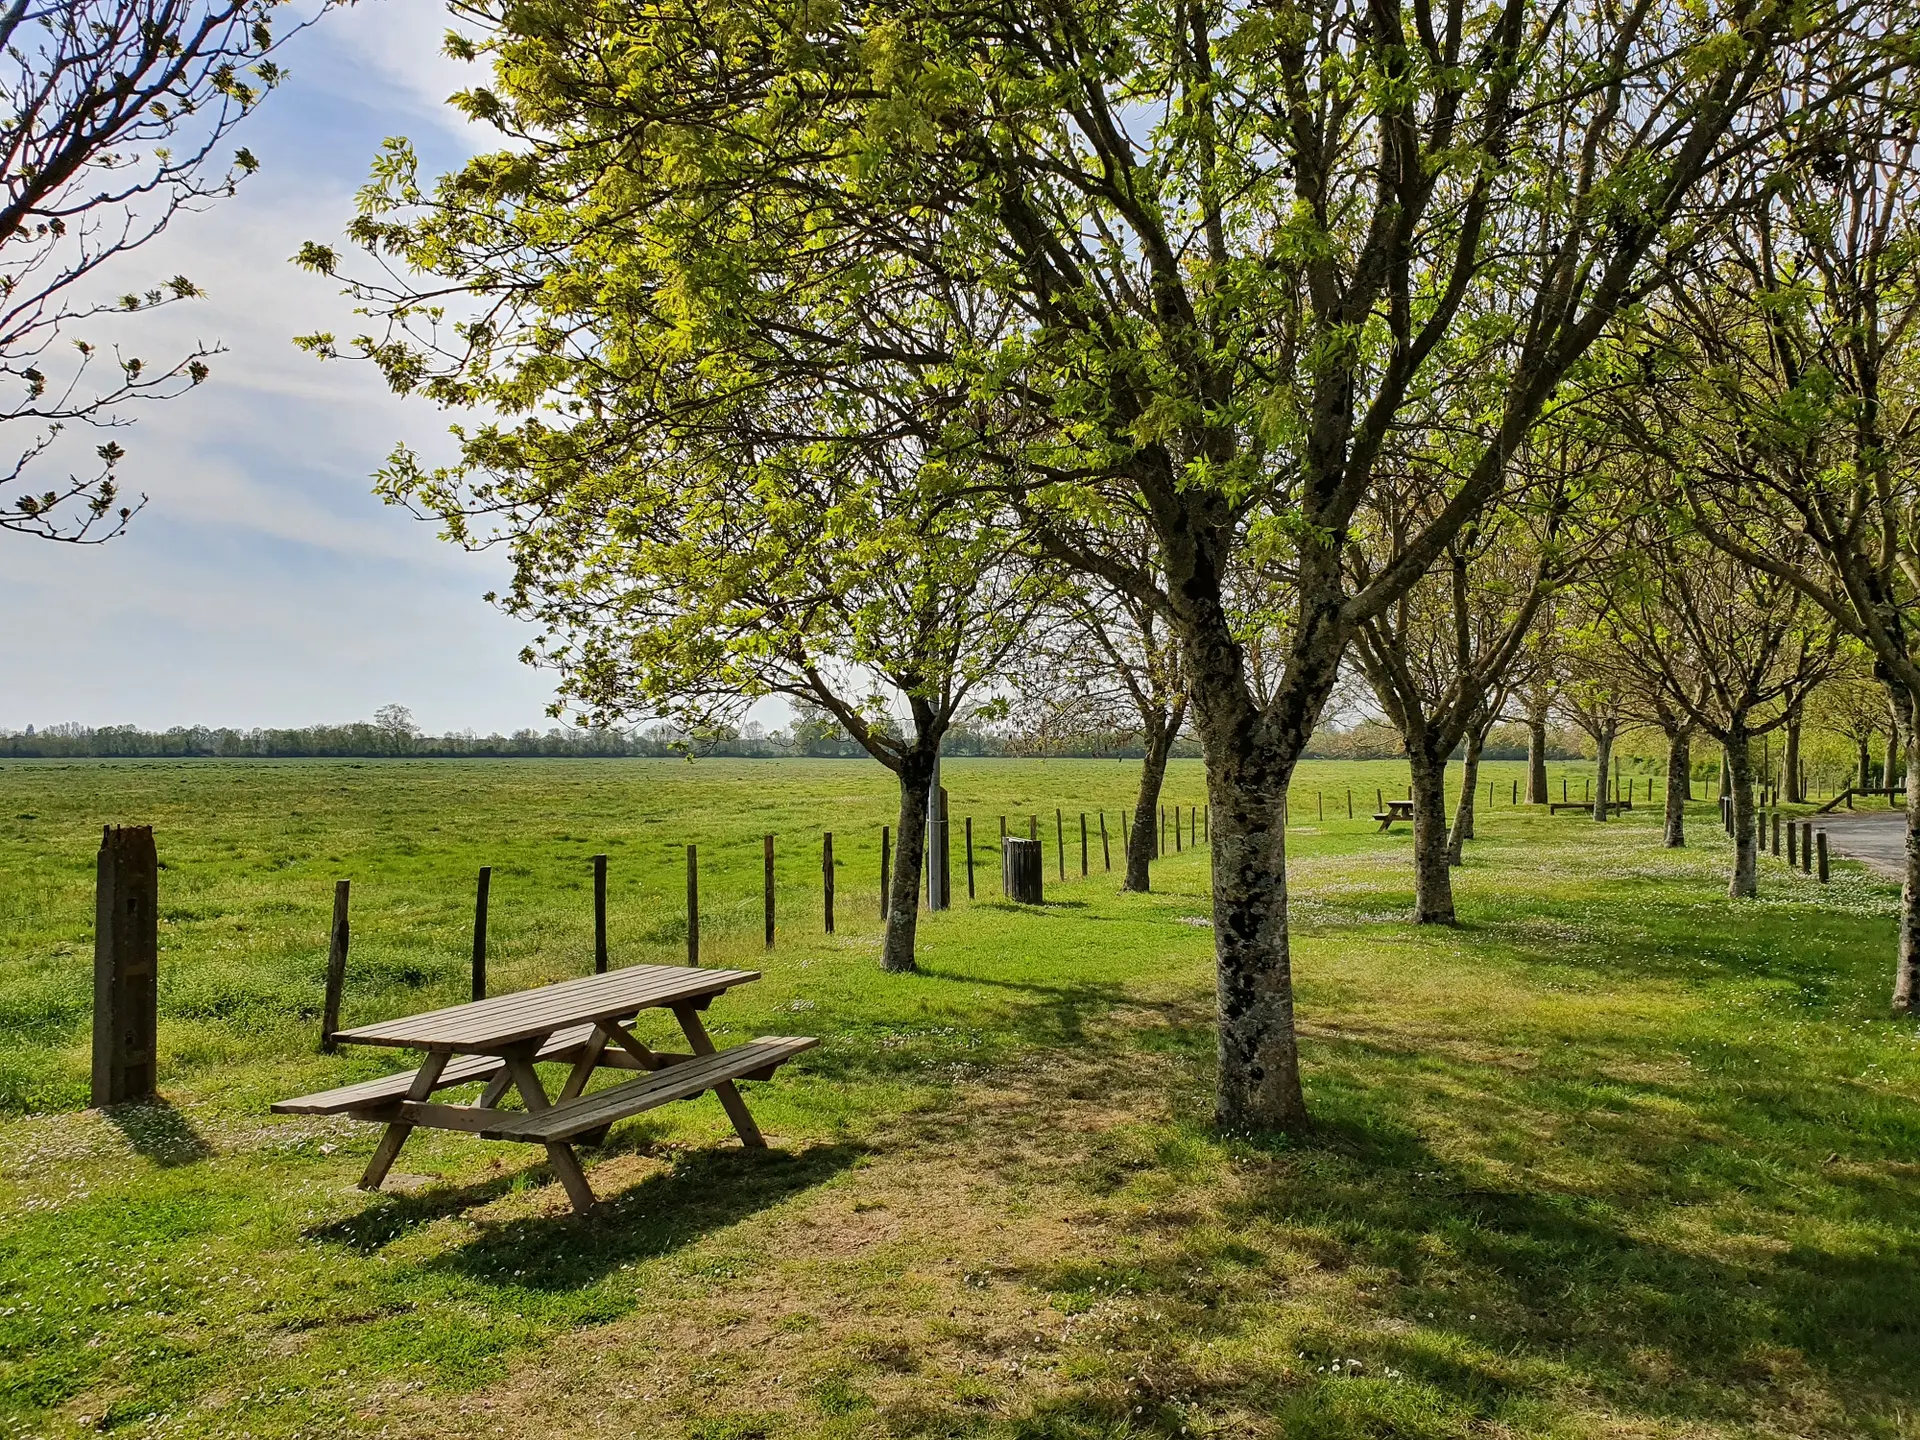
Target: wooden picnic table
x=583, y=1023
x=1396, y=810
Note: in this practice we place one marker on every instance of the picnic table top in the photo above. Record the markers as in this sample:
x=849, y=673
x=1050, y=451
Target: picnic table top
x=1399, y=804
x=491, y=1024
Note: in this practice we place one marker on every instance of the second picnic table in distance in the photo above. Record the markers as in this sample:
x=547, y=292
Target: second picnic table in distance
x=1396, y=810
x=582, y=1022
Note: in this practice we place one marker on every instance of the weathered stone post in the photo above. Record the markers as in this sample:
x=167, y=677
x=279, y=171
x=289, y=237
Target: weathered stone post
x=126, y=957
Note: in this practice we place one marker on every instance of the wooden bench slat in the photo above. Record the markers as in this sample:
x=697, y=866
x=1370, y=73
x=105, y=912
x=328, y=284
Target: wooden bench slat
x=370, y=1094
x=756, y=1059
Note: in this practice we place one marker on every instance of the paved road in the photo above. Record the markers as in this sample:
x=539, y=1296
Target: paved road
x=1877, y=837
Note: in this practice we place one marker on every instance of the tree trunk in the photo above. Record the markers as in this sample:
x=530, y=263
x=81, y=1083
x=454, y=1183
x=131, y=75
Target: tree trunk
x=1899, y=735
x=1796, y=791
x=1726, y=776
x=1258, y=1085
x=1679, y=767
x=1432, y=884
x=1906, y=980
x=1537, y=750
x=903, y=894
x=1146, y=806
x=1864, y=764
x=1463, y=813
x=1744, y=884
x=1602, y=760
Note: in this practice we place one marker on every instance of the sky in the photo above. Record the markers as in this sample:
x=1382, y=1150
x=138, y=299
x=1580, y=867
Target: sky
x=264, y=584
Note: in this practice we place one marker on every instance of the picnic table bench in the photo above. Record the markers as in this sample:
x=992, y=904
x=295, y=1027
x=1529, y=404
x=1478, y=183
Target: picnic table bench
x=1396, y=810
x=582, y=1023
x=1556, y=806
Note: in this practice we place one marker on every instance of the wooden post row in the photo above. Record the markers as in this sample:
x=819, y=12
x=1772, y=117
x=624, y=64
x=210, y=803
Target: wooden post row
x=126, y=960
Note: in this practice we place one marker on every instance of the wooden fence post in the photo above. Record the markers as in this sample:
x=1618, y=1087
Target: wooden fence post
x=480, y=933
x=1106, y=851
x=600, y=914
x=1176, y=829
x=693, y=905
x=969, y=857
x=886, y=862
x=1793, y=845
x=336, y=968
x=1083, y=845
x=766, y=860
x=1349, y=802
x=1806, y=848
x=1160, y=840
x=826, y=876
x=1776, y=832
x=1060, y=842
x=1821, y=841
x=1033, y=828
x=1319, y=806
x=126, y=960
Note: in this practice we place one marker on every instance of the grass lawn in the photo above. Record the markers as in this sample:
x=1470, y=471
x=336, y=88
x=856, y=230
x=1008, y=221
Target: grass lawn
x=1616, y=1157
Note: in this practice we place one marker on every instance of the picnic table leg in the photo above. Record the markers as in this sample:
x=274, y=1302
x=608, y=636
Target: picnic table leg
x=581, y=1073
x=559, y=1153
x=388, y=1150
x=701, y=1043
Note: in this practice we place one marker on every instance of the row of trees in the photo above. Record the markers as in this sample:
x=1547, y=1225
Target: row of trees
x=1508, y=355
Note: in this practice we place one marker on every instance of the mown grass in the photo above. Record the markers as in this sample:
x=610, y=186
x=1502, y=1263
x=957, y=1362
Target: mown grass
x=1616, y=1157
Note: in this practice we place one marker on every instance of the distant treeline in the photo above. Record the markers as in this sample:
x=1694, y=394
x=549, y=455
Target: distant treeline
x=1371, y=740
x=396, y=737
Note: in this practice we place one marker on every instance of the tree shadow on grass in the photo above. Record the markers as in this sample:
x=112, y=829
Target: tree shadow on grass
x=158, y=1132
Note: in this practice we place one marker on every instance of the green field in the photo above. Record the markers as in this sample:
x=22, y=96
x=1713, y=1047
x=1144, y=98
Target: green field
x=1615, y=1157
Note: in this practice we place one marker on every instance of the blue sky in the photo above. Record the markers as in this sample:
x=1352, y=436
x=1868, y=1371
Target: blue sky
x=264, y=585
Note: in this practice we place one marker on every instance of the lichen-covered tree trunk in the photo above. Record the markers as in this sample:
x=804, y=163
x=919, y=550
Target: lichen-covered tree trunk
x=1744, y=883
x=903, y=890
x=1259, y=1058
x=1679, y=768
x=1863, y=765
x=1432, y=881
x=1463, y=811
x=1603, y=762
x=1906, y=981
x=1537, y=753
x=1146, y=831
